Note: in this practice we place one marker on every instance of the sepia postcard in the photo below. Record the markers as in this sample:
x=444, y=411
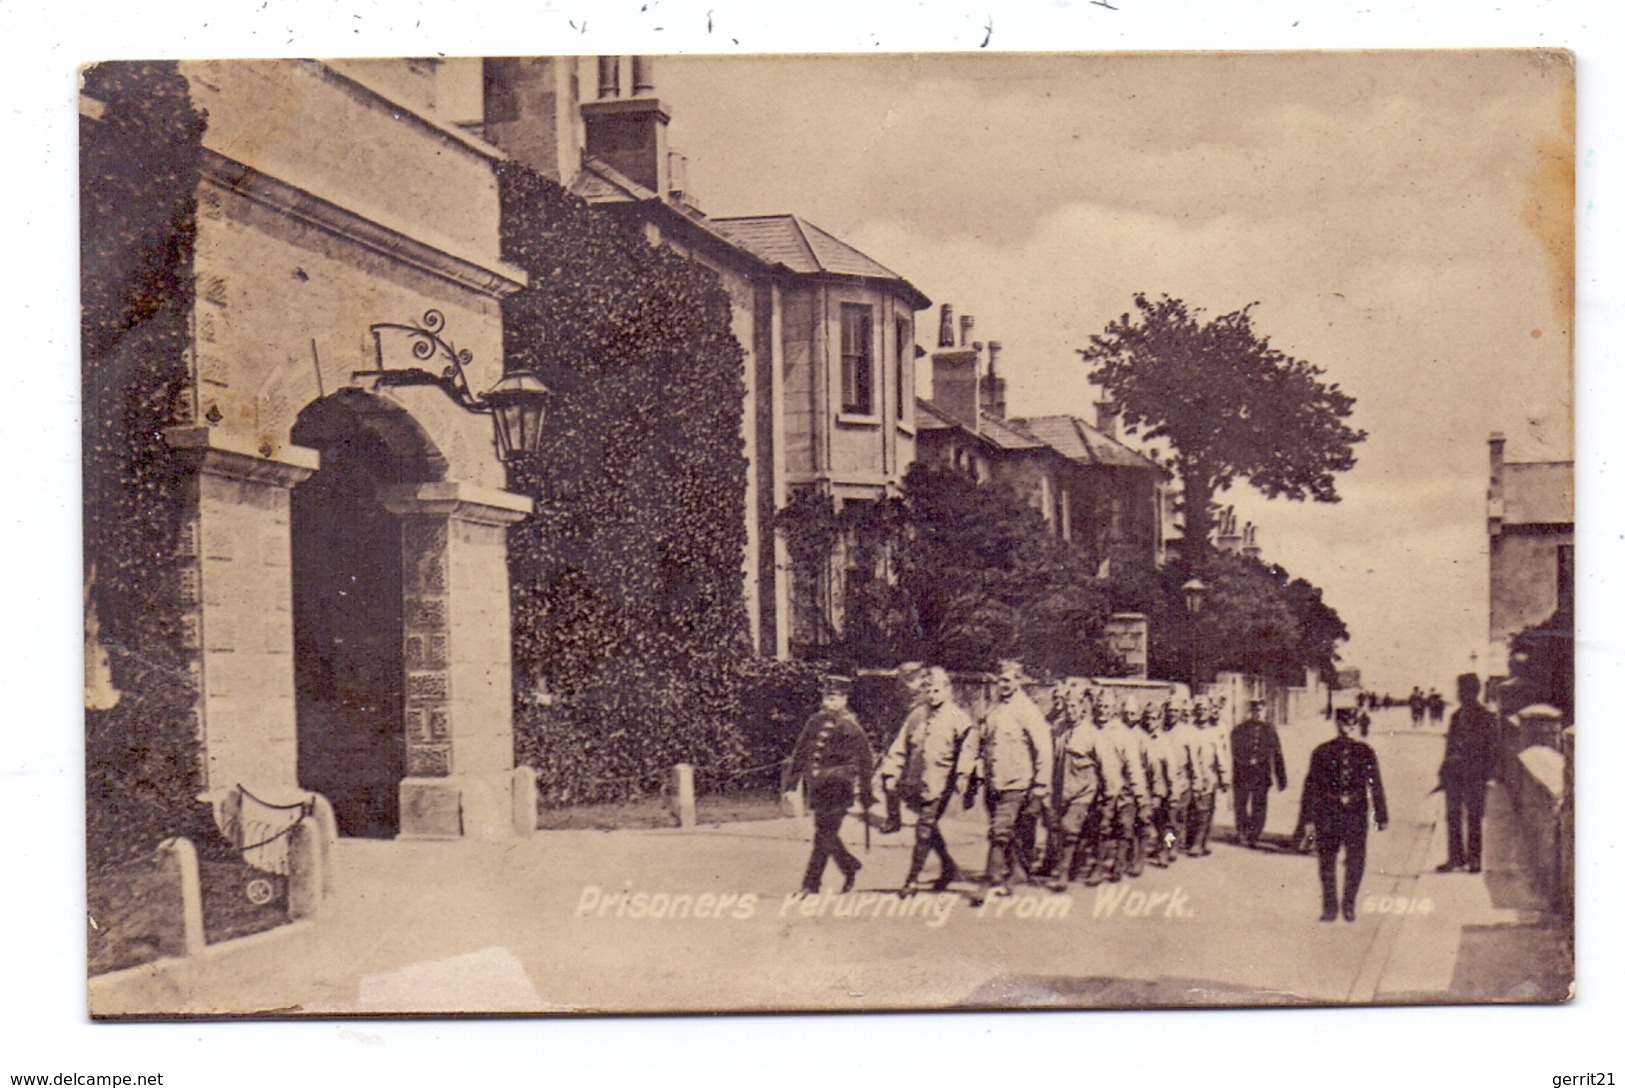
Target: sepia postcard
x=628, y=534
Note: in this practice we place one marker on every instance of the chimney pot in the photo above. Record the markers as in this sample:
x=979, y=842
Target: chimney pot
x=945, y=331
x=967, y=324
x=609, y=77
x=643, y=76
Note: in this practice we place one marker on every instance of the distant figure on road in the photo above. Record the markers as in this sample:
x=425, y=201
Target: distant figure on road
x=914, y=678
x=1017, y=752
x=1435, y=706
x=1469, y=764
x=1343, y=788
x=1255, y=758
x=1418, y=704
x=833, y=757
x=922, y=768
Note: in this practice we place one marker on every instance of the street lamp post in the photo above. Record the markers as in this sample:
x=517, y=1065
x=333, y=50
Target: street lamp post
x=1195, y=593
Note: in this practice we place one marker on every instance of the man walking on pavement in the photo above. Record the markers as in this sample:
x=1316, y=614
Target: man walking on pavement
x=1342, y=790
x=1017, y=750
x=1464, y=776
x=833, y=757
x=1255, y=757
x=914, y=678
x=922, y=767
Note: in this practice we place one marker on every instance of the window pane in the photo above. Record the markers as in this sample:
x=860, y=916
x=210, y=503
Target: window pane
x=857, y=359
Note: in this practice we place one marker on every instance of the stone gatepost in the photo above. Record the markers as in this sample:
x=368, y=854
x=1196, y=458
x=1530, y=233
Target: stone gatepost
x=1128, y=634
x=457, y=654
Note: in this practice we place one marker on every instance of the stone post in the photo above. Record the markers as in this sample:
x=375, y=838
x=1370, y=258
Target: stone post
x=177, y=867
x=682, y=795
x=307, y=868
x=524, y=801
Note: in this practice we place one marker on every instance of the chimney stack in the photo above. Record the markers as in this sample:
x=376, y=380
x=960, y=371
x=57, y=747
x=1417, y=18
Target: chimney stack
x=1106, y=417
x=955, y=377
x=993, y=401
x=532, y=110
x=629, y=133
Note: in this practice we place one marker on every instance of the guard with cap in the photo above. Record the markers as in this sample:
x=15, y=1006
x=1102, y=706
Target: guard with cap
x=832, y=756
x=1340, y=794
x=1255, y=760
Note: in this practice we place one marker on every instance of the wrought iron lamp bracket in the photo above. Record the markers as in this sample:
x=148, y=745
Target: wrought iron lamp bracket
x=427, y=346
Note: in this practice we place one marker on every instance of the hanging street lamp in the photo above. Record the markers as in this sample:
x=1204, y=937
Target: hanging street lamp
x=517, y=403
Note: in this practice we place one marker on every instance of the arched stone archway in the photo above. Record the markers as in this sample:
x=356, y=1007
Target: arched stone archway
x=347, y=559
x=401, y=628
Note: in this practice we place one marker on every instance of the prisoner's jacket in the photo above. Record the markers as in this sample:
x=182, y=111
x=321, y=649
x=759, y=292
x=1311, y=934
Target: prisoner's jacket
x=929, y=751
x=1015, y=745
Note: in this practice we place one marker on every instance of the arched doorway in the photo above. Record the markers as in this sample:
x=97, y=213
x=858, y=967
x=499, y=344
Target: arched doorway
x=347, y=605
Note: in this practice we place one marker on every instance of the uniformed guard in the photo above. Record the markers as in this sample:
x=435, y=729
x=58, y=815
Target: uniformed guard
x=914, y=678
x=1255, y=759
x=1016, y=751
x=1343, y=780
x=833, y=757
x=923, y=767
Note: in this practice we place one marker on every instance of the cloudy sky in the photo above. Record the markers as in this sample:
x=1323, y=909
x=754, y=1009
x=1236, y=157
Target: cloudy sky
x=1401, y=219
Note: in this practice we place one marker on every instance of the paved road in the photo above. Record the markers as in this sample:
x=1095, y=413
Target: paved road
x=553, y=923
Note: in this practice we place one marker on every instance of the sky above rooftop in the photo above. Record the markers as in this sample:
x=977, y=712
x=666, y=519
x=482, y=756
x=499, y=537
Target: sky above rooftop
x=1400, y=219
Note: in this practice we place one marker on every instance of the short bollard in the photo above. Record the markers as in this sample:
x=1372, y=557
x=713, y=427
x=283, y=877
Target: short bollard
x=177, y=860
x=682, y=795
x=307, y=868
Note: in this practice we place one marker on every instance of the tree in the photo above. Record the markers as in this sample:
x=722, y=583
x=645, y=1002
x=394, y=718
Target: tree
x=1232, y=406
x=955, y=573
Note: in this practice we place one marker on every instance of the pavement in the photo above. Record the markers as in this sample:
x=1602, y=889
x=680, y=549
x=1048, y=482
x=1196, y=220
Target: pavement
x=704, y=920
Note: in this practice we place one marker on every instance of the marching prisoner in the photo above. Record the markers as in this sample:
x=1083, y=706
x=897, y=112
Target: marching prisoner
x=1016, y=750
x=1076, y=802
x=922, y=768
x=914, y=677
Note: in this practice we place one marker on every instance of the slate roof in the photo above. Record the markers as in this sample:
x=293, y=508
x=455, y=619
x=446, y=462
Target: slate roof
x=802, y=247
x=1079, y=441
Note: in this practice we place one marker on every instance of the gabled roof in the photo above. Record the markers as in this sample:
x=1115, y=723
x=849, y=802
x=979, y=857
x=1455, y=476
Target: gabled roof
x=1079, y=441
x=804, y=248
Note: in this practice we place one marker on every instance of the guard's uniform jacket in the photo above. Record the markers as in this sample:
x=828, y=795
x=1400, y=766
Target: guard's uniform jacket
x=1255, y=758
x=1342, y=790
x=834, y=757
x=1255, y=755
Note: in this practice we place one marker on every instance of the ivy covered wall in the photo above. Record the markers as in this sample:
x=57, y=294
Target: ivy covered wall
x=139, y=176
x=628, y=605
